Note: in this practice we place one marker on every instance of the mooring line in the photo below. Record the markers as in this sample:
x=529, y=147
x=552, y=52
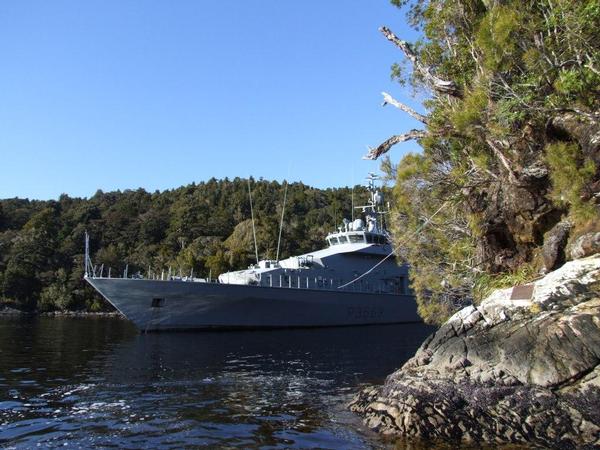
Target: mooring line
x=395, y=249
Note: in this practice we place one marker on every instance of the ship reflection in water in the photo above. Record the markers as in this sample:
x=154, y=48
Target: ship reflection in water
x=96, y=382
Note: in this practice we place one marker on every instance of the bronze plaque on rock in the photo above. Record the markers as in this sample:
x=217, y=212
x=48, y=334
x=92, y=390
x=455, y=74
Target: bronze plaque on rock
x=524, y=292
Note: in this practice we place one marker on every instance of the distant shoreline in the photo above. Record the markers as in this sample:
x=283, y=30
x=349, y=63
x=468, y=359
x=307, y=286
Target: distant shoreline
x=12, y=312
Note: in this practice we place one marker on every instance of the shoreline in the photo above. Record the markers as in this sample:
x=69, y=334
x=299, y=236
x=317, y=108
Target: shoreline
x=12, y=312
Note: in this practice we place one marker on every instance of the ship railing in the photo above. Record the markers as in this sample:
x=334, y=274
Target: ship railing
x=102, y=271
x=289, y=281
x=92, y=270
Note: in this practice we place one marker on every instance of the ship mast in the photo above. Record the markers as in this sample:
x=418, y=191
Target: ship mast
x=281, y=223
x=372, y=209
x=253, y=227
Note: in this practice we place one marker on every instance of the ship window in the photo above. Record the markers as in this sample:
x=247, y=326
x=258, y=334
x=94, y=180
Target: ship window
x=370, y=239
x=343, y=240
x=356, y=238
x=333, y=241
x=158, y=302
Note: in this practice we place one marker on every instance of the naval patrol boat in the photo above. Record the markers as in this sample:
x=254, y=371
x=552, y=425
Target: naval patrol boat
x=354, y=280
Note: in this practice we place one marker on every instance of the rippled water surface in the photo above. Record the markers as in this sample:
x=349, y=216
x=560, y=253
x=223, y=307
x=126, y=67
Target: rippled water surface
x=82, y=382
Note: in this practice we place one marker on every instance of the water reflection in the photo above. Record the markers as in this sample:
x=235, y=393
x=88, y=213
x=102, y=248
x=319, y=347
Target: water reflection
x=97, y=382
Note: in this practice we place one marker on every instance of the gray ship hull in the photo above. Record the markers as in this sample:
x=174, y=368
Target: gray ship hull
x=177, y=305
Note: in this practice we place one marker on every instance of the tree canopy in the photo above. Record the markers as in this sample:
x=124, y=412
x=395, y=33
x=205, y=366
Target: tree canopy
x=510, y=138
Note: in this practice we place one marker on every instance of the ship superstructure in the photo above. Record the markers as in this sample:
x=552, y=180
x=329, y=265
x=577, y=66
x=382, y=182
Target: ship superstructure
x=353, y=250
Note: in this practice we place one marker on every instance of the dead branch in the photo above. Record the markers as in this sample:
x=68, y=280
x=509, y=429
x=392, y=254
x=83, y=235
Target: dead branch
x=590, y=65
x=385, y=146
x=437, y=84
x=495, y=146
x=387, y=98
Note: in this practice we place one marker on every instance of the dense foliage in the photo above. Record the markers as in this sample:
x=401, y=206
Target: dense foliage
x=511, y=141
x=203, y=227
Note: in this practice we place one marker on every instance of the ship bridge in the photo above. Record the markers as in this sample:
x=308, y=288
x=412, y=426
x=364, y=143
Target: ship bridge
x=370, y=231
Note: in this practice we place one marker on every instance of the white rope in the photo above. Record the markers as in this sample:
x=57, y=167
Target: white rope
x=395, y=249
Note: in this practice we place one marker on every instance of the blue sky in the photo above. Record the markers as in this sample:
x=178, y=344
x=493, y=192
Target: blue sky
x=122, y=94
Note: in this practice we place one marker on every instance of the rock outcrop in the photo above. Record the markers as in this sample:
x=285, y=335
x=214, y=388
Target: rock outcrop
x=553, y=250
x=522, y=367
x=585, y=245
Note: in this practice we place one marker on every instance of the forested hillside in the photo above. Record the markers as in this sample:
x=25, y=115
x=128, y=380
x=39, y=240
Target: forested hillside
x=510, y=169
x=205, y=227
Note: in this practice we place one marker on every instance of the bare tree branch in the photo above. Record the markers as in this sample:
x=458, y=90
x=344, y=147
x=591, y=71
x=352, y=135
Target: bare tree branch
x=590, y=65
x=385, y=146
x=439, y=85
x=495, y=146
x=387, y=98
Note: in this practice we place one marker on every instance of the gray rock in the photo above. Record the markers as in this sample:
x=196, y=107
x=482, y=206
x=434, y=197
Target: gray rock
x=554, y=245
x=506, y=371
x=585, y=245
x=8, y=311
x=537, y=170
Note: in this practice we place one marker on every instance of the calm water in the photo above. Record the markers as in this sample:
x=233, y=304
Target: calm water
x=81, y=382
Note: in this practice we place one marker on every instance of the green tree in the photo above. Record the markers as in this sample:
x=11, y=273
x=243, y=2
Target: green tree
x=57, y=295
x=508, y=138
x=240, y=245
x=32, y=254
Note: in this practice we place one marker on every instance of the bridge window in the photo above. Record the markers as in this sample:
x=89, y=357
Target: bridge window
x=370, y=239
x=343, y=240
x=357, y=238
